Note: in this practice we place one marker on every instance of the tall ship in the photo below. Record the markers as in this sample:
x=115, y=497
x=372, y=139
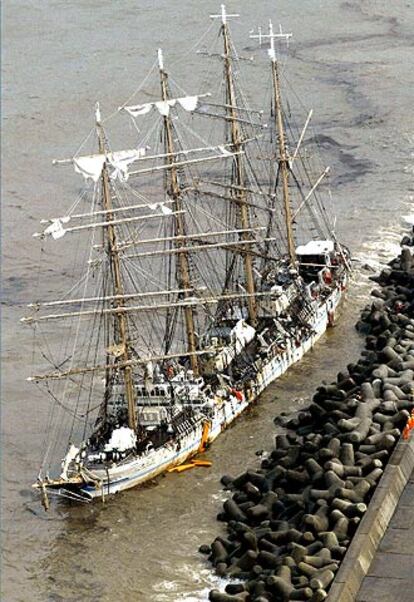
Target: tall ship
x=205, y=265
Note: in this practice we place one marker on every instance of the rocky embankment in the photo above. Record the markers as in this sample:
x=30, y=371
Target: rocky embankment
x=289, y=523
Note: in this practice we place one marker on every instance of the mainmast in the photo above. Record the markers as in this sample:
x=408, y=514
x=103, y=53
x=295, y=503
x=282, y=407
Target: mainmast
x=121, y=333
x=175, y=194
x=239, y=177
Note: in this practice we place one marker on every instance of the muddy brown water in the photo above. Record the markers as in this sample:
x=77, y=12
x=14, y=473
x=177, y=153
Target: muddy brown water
x=353, y=63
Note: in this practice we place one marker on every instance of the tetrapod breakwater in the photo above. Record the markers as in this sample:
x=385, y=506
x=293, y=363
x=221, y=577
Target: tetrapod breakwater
x=290, y=522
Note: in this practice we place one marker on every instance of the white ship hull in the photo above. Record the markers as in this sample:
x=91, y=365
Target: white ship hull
x=155, y=462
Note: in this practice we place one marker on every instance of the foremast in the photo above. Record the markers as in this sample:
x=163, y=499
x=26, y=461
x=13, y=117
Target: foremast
x=174, y=192
x=239, y=185
x=121, y=348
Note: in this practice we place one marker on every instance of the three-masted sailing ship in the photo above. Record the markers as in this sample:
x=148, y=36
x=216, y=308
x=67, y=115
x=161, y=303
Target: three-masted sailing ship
x=199, y=287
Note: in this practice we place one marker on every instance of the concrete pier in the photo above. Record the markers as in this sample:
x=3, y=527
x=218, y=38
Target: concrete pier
x=391, y=574
x=379, y=563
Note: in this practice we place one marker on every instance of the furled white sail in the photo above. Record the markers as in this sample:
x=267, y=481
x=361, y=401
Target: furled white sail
x=163, y=106
x=90, y=166
x=139, y=109
x=188, y=103
x=120, y=161
x=165, y=210
x=56, y=229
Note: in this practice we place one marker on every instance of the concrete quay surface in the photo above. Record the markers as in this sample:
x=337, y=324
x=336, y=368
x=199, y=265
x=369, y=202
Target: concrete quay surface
x=390, y=577
x=379, y=563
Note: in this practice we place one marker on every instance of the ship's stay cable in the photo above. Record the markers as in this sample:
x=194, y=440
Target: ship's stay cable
x=191, y=50
x=212, y=50
x=310, y=207
x=44, y=387
x=153, y=324
x=134, y=93
x=127, y=265
x=97, y=320
x=59, y=419
x=35, y=329
x=79, y=386
x=84, y=142
x=142, y=276
x=207, y=269
x=102, y=339
x=316, y=142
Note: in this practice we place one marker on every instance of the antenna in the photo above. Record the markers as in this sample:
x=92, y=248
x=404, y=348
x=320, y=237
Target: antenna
x=271, y=36
x=223, y=15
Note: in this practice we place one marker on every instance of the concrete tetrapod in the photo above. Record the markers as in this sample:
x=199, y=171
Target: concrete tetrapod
x=290, y=521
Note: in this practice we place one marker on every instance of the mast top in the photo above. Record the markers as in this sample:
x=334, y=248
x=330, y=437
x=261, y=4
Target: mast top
x=224, y=15
x=271, y=36
x=97, y=114
x=160, y=60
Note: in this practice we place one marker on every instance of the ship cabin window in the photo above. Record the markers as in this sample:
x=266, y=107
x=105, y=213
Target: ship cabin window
x=159, y=391
x=311, y=265
x=322, y=259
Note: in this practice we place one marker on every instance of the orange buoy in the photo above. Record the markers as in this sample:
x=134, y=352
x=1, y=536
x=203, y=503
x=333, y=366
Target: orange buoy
x=191, y=464
x=205, y=463
x=181, y=468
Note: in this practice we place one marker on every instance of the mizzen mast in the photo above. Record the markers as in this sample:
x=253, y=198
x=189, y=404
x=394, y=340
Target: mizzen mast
x=121, y=347
x=175, y=194
x=239, y=183
x=283, y=153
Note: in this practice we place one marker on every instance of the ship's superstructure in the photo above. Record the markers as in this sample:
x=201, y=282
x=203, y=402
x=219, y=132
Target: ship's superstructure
x=196, y=293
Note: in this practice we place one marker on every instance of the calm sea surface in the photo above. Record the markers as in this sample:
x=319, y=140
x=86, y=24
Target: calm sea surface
x=352, y=62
